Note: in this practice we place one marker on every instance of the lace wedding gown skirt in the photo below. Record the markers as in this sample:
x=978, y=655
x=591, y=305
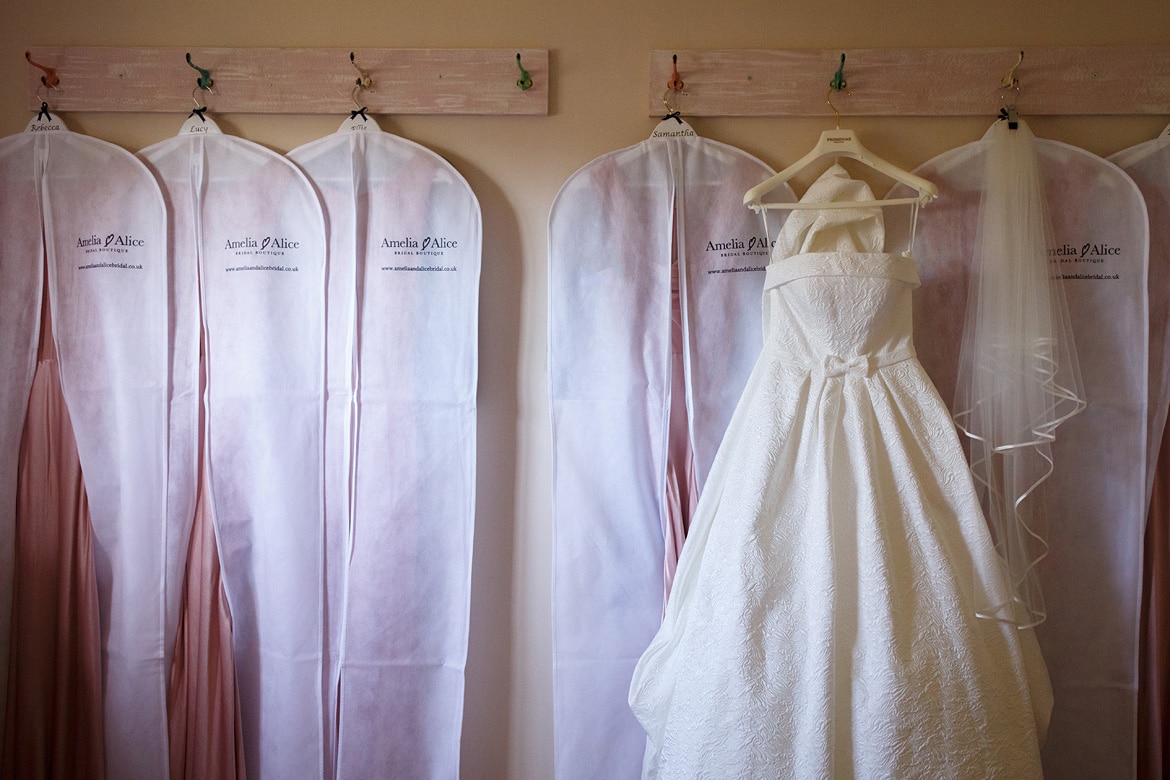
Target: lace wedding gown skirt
x=824, y=620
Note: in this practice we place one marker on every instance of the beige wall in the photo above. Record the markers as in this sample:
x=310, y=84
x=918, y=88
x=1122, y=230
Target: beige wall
x=598, y=57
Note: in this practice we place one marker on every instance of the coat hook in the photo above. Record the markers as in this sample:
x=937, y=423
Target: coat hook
x=525, y=80
x=838, y=81
x=1009, y=80
x=204, y=81
x=363, y=81
x=50, y=79
x=676, y=83
x=836, y=84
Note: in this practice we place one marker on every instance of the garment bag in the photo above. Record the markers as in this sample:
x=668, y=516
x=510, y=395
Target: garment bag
x=616, y=228
x=403, y=290
x=1091, y=577
x=1148, y=164
x=250, y=240
x=92, y=216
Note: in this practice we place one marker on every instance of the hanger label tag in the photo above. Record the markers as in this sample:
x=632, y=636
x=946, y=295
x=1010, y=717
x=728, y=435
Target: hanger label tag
x=38, y=125
x=359, y=124
x=672, y=128
x=196, y=125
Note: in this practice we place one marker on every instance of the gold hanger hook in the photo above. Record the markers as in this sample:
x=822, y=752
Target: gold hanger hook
x=666, y=102
x=836, y=113
x=829, y=100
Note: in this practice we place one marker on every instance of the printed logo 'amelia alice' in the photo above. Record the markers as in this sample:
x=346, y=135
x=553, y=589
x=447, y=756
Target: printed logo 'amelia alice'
x=738, y=245
x=110, y=240
x=268, y=242
x=427, y=242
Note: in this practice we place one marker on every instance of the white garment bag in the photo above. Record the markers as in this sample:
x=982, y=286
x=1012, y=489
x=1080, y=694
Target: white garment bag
x=1091, y=577
x=612, y=232
x=249, y=240
x=1148, y=164
x=93, y=216
x=403, y=302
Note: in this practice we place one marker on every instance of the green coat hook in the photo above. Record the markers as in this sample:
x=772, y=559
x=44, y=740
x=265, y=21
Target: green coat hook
x=525, y=80
x=204, y=81
x=838, y=82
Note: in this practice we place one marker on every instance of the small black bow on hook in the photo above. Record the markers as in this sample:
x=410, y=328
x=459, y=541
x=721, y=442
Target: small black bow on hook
x=359, y=112
x=44, y=112
x=199, y=113
x=675, y=115
x=1012, y=115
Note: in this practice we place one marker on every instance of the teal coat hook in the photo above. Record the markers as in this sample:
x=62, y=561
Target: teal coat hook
x=838, y=81
x=204, y=81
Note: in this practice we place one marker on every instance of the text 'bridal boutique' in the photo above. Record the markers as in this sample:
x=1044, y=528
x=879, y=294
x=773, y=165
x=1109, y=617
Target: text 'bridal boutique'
x=826, y=615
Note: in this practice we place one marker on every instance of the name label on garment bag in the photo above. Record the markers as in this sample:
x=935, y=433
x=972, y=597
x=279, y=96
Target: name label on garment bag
x=673, y=128
x=359, y=123
x=199, y=125
x=40, y=125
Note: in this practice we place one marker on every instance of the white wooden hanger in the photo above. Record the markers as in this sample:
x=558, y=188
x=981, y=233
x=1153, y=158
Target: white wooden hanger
x=840, y=143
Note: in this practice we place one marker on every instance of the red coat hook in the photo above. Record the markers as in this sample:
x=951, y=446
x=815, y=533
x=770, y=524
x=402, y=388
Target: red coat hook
x=675, y=83
x=50, y=79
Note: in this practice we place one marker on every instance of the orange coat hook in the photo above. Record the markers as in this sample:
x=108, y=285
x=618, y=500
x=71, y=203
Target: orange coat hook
x=675, y=84
x=50, y=79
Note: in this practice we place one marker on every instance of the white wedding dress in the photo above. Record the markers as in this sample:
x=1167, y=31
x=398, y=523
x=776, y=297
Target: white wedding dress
x=824, y=621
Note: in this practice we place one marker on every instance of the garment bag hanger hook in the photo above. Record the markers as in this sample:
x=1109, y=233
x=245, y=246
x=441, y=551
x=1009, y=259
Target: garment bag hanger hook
x=199, y=109
x=1010, y=82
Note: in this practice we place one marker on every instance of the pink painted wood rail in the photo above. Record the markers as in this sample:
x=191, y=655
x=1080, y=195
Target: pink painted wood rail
x=1060, y=80
x=292, y=81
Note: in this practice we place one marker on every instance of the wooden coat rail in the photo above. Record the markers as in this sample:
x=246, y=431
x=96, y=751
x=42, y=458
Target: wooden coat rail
x=1089, y=80
x=292, y=81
